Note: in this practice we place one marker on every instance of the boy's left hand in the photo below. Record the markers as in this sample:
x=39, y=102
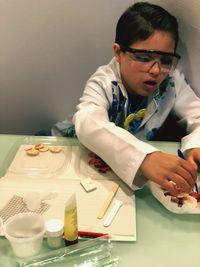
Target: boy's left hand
x=193, y=156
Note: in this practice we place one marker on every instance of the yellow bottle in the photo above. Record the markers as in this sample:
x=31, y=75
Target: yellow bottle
x=70, y=221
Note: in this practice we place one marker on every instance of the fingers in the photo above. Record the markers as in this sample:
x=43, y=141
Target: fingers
x=191, y=160
x=193, y=157
x=184, y=177
x=182, y=186
x=180, y=179
x=190, y=167
x=177, y=185
x=174, y=189
x=171, y=187
x=169, y=168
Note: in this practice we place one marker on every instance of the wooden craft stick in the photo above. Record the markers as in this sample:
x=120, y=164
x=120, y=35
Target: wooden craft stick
x=108, y=201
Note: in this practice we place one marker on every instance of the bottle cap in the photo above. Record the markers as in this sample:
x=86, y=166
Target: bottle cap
x=54, y=227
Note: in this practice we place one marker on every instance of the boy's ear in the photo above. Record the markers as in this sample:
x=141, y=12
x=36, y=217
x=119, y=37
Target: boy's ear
x=117, y=52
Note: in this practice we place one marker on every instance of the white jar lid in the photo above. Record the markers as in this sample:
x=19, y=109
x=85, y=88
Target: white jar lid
x=54, y=227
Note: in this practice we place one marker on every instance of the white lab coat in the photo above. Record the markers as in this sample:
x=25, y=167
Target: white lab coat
x=120, y=149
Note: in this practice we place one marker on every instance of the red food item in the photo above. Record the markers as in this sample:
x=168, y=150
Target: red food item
x=195, y=195
x=29, y=148
x=178, y=200
x=92, y=161
x=98, y=163
x=39, y=146
x=105, y=169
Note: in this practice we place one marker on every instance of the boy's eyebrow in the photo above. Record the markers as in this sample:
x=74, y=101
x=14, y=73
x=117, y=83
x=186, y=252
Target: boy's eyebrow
x=133, y=50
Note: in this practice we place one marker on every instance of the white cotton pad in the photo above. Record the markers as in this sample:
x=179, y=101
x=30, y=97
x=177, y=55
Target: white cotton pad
x=32, y=200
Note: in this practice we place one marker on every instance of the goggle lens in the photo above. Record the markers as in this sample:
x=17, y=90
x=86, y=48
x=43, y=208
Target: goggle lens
x=147, y=58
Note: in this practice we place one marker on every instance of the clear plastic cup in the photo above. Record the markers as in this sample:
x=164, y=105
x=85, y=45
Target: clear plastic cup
x=25, y=233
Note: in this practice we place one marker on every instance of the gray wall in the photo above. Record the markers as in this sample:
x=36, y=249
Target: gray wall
x=49, y=48
x=187, y=14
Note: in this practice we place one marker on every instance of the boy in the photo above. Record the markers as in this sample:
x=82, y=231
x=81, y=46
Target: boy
x=125, y=102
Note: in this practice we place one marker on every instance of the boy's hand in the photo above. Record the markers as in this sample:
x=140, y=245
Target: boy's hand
x=193, y=156
x=172, y=173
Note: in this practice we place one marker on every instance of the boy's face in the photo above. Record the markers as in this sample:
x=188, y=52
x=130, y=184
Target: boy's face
x=137, y=79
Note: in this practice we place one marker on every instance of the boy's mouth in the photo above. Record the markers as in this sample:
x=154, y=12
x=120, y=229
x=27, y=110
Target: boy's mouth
x=150, y=84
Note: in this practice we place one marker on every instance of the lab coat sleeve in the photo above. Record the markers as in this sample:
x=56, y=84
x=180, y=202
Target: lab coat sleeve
x=187, y=107
x=122, y=151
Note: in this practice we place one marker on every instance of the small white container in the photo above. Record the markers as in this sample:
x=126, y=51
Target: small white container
x=25, y=233
x=54, y=232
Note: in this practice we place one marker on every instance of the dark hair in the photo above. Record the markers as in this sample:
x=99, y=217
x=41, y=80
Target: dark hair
x=140, y=20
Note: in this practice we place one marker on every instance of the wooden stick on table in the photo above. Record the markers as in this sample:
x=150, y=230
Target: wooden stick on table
x=108, y=201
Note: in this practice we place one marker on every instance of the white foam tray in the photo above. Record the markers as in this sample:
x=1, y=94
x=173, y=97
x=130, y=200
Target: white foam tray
x=158, y=193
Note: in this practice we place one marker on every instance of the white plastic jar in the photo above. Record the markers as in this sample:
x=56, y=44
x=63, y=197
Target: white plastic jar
x=54, y=232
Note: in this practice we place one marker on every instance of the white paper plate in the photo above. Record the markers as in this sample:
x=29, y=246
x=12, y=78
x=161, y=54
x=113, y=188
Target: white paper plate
x=158, y=193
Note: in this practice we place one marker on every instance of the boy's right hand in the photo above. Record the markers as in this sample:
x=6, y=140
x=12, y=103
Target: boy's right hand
x=162, y=168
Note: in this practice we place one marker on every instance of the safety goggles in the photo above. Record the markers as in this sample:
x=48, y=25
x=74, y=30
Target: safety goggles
x=147, y=58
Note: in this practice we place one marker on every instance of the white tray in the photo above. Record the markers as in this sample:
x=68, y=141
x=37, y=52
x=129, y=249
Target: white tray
x=84, y=168
x=47, y=164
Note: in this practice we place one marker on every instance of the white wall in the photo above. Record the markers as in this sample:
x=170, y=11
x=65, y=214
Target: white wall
x=49, y=48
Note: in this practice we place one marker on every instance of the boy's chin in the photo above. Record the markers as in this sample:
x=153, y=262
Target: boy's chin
x=142, y=93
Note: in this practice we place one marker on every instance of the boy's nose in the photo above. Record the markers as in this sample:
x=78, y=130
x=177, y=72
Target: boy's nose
x=155, y=68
